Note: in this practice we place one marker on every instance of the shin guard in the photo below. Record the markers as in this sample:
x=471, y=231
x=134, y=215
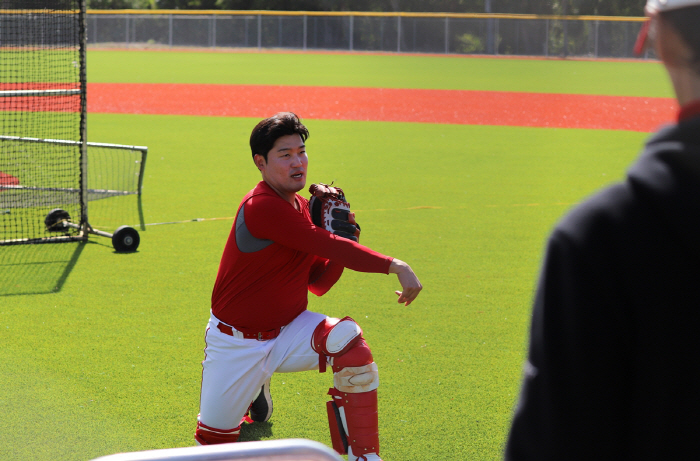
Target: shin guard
x=339, y=438
x=352, y=411
x=360, y=418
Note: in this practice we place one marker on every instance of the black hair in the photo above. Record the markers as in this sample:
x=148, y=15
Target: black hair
x=271, y=129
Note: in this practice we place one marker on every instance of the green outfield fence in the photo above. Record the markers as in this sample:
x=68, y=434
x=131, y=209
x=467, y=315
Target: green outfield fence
x=435, y=33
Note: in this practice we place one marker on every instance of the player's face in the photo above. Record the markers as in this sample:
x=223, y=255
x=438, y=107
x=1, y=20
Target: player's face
x=285, y=169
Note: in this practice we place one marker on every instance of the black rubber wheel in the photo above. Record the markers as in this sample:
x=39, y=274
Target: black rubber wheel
x=56, y=220
x=125, y=239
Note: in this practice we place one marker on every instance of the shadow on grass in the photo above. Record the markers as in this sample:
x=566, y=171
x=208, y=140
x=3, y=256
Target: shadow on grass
x=255, y=432
x=37, y=269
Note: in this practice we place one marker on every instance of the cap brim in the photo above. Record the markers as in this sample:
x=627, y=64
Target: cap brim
x=642, y=39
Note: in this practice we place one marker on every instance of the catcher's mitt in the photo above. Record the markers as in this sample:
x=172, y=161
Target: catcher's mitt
x=330, y=211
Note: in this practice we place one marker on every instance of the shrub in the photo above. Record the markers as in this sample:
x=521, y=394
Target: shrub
x=469, y=44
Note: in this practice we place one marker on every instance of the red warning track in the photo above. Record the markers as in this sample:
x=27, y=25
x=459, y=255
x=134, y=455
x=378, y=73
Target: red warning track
x=381, y=104
x=13, y=100
x=8, y=180
x=370, y=104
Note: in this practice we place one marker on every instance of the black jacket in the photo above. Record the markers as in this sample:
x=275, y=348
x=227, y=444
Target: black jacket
x=614, y=361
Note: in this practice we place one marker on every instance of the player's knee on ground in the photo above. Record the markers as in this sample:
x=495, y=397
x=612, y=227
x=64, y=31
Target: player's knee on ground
x=206, y=435
x=340, y=342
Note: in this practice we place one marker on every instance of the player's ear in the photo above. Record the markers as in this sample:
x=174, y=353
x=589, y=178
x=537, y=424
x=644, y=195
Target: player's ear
x=259, y=161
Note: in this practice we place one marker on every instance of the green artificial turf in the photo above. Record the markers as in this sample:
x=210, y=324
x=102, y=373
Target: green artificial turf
x=59, y=65
x=101, y=351
x=387, y=71
x=110, y=360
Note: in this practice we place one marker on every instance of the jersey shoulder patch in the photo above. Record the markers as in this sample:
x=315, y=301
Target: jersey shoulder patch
x=245, y=241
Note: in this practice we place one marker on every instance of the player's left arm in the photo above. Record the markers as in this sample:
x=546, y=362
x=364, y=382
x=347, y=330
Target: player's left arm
x=324, y=273
x=329, y=210
x=301, y=234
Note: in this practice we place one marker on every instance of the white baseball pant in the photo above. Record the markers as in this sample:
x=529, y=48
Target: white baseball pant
x=234, y=369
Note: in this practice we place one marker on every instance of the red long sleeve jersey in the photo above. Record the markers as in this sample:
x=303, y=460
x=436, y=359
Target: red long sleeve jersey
x=274, y=255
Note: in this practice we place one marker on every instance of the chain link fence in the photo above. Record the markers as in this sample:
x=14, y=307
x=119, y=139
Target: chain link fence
x=480, y=34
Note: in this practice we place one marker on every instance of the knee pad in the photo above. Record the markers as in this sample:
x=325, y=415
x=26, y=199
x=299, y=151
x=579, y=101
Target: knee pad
x=206, y=435
x=334, y=337
x=340, y=342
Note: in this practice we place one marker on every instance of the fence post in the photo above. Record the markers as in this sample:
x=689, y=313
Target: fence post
x=489, y=29
x=305, y=31
x=259, y=31
x=381, y=33
x=546, y=38
x=213, y=31
x=495, y=37
x=596, y=38
x=398, y=34
x=447, y=34
x=126, y=31
x=170, y=30
x=352, y=28
x=490, y=39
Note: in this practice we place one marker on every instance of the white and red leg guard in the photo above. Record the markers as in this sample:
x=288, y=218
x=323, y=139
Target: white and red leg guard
x=206, y=435
x=352, y=411
x=358, y=413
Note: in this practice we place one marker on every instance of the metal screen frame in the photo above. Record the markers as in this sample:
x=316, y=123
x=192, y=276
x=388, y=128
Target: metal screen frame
x=84, y=191
x=83, y=117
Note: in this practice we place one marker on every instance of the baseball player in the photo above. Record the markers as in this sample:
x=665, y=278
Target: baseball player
x=259, y=323
x=614, y=360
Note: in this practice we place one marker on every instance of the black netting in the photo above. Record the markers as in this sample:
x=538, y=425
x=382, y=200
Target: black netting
x=115, y=174
x=42, y=96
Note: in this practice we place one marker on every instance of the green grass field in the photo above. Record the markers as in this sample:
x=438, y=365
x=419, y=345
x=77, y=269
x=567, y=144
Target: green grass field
x=101, y=351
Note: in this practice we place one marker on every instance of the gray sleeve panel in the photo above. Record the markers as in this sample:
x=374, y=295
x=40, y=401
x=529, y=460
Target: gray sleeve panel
x=245, y=241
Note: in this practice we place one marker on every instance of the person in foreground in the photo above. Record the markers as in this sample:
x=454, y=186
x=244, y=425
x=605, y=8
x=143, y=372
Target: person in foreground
x=614, y=357
x=259, y=320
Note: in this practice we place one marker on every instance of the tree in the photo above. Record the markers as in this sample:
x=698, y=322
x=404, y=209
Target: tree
x=609, y=8
x=37, y=4
x=120, y=4
x=186, y=4
x=574, y=7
